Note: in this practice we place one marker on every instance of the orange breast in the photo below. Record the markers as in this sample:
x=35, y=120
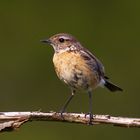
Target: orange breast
x=74, y=70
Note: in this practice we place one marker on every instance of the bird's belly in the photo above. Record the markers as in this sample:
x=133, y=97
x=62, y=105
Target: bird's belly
x=74, y=71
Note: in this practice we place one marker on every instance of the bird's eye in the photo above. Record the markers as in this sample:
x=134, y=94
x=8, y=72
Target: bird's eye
x=61, y=40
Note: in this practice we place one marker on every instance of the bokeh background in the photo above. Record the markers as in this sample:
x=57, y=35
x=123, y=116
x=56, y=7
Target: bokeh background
x=110, y=29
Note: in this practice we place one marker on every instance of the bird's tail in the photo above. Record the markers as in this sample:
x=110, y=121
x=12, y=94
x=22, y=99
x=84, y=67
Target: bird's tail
x=111, y=86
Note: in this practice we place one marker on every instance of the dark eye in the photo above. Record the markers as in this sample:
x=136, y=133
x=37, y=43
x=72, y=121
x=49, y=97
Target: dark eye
x=61, y=40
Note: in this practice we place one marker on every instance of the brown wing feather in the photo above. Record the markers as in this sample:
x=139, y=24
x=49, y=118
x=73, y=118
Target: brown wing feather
x=93, y=61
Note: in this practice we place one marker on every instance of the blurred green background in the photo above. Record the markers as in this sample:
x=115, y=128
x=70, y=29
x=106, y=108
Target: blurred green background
x=110, y=29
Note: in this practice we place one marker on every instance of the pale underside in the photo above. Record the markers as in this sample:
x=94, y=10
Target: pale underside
x=75, y=71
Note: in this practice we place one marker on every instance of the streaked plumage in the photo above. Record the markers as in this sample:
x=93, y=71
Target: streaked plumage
x=77, y=67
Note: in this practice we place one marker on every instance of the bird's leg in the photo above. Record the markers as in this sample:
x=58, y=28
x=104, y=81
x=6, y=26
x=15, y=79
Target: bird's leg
x=90, y=107
x=67, y=103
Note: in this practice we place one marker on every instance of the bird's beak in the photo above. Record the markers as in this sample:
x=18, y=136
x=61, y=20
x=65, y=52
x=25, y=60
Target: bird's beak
x=46, y=41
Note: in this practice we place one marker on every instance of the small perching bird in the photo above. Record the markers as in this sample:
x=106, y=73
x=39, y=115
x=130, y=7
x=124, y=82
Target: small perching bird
x=78, y=67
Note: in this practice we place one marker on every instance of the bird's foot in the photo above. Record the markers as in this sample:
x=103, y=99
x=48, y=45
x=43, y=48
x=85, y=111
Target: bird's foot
x=61, y=114
x=90, y=118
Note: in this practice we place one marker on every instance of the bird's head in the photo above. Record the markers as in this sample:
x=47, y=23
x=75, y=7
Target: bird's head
x=62, y=42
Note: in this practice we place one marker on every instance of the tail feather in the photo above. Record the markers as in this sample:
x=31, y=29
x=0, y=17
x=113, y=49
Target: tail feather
x=112, y=87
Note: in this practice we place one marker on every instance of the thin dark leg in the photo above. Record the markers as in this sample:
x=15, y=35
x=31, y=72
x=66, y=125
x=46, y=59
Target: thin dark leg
x=67, y=103
x=90, y=107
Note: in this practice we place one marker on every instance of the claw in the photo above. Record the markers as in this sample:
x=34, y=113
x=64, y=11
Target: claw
x=61, y=114
x=90, y=118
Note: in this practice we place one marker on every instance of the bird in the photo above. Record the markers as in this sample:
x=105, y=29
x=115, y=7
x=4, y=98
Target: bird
x=78, y=68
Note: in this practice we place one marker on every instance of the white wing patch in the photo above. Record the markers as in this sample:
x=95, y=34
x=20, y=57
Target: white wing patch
x=102, y=82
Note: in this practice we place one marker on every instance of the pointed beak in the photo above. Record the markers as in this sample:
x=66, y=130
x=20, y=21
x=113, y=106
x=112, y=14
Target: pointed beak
x=47, y=41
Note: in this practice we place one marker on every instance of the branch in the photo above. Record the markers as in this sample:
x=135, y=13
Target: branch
x=12, y=120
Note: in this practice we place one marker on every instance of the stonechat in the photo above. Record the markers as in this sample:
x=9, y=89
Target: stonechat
x=78, y=67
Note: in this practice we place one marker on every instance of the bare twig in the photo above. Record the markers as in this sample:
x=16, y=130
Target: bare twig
x=12, y=120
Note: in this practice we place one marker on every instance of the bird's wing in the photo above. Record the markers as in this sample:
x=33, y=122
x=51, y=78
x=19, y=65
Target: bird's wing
x=93, y=61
